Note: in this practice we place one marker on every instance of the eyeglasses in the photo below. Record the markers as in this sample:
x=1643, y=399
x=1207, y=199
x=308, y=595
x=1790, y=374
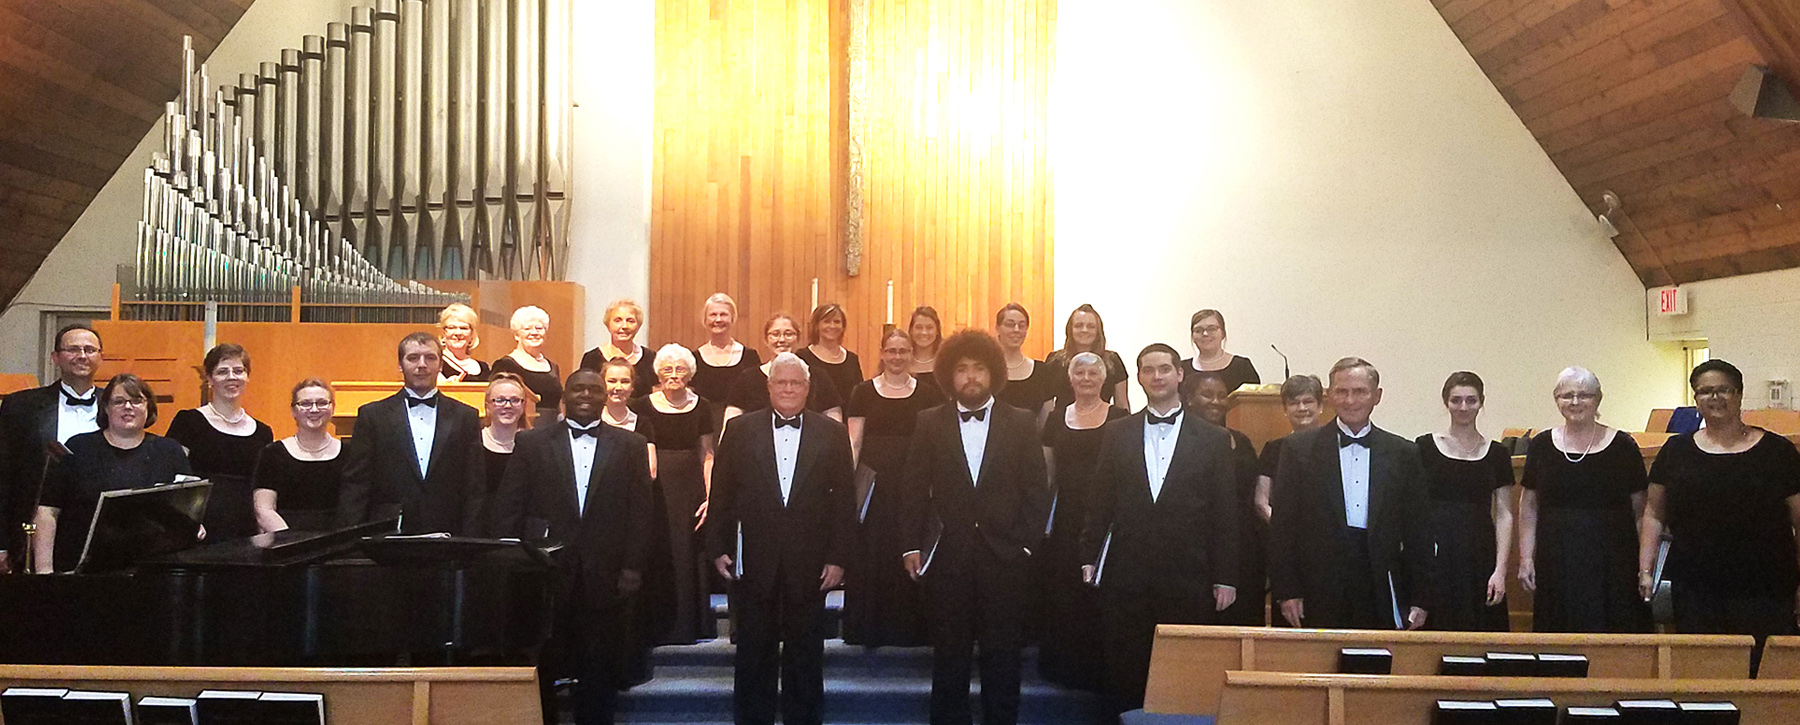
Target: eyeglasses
x=85, y=350
x=1724, y=392
x=673, y=370
x=1576, y=397
x=313, y=404
x=127, y=403
x=1208, y=330
x=783, y=334
x=507, y=401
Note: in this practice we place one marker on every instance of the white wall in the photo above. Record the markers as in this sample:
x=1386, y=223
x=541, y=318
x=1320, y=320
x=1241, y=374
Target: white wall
x=1748, y=321
x=1340, y=178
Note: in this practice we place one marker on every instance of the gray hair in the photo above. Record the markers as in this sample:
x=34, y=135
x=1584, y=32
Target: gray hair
x=1577, y=377
x=788, y=359
x=674, y=353
x=1354, y=363
x=1086, y=358
x=526, y=315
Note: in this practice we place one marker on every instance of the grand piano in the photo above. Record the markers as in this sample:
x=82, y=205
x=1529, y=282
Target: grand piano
x=292, y=598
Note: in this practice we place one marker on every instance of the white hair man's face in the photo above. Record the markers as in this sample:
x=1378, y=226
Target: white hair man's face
x=787, y=389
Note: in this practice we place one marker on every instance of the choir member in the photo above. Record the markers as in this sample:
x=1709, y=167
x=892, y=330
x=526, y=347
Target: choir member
x=1211, y=399
x=1350, y=542
x=223, y=442
x=975, y=477
x=825, y=352
x=586, y=486
x=120, y=455
x=681, y=423
x=1030, y=384
x=415, y=454
x=531, y=328
x=1301, y=398
x=624, y=318
x=34, y=426
x=751, y=391
x=882, y=606
x=1085, y=332
x=1584, y=493
x=1730, y=495
x=783, y=506
x=296, y=480
x=1162, y=528
x=927, y=333
x=1207, y=329
x=721, y=358
x=1071, y=648
x=457, y=336
x=1470, y=479
x=505, y=399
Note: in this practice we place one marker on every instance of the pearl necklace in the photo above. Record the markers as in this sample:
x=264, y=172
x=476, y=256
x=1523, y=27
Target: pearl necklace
x=1585, y=450
x=313, y=451
x=241, y=415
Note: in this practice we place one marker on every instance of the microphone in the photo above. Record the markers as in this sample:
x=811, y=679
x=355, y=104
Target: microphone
x=1285, y=373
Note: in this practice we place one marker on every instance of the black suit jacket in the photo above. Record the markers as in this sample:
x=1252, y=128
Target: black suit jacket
x=798, y=539
x=1186, y=540
x=537, y=501
x=27, y=426
x=381, y=471
x=1005, y=510
x=1306, y=533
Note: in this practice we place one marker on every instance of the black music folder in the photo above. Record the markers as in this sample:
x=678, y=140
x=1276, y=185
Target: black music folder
x=139, y=523
x=229, y=707
x=1533, y=711
x=1365, y=661
x=1462, y=666
x=934, y=535
x=865, y=491
x=168, y=711
x=1648, y=712
x=1591, y=716
x=1464, y=712
x=1709, y=713
x=83, y=707
x=291, y=708
x=426, y=549
x=31, y=705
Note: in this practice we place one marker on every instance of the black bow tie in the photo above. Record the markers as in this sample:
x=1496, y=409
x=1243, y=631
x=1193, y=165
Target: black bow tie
x=1155, y=419
x=781, y=422
x=968, y=415
x=72, y=400
x=430, y=402
x=1345, y=441
x=579, y=432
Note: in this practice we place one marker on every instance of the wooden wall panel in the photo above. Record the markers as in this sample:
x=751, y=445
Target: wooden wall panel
x=751, y=130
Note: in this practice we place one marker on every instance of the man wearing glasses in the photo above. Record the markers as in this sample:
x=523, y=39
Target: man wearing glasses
x=35, y=423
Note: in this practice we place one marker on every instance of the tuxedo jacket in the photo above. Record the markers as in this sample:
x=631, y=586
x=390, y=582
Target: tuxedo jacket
x=1184, y=541
x=538, y=501
x=791, y=542
x=1307, y=541
x=27, y=427
x=382, y=480
x=1005, y=509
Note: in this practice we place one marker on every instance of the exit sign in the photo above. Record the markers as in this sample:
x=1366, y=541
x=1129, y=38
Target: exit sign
x=1671, y=301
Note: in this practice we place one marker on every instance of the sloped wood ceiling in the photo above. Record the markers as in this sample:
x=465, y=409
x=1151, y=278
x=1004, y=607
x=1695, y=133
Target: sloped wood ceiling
x=1632, y=96
x=81, y=82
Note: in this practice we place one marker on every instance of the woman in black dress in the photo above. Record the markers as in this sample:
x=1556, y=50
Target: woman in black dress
x=223, y=443
x=505, y=400
x=1301, y=400
x=681, y=424
x=751, y=391
x=457, y=337
x=882, y=605
x=531, y=328
x=825, y=354
x=1085, y=332
x=1471, y=483
x=718, y=362
x=1578, y=541
x=1071, y=648
x=1207, y=329
x=1211, y=400
x=119, y=456
x=926, y=332
x=1029, y=384
x=1729, y=496
x=296, y=479
x=624, y=318
x=652, y=615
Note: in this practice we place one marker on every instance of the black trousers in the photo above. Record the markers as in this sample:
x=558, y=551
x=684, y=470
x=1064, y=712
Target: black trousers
x=976, y=599
x=588, y=643
x=780, y=661
x=1365, y=607
x=1699, y=611
x=1130, y=623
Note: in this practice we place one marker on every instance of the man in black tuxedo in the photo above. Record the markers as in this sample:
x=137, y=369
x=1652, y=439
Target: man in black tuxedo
x=33, y=426
x=783, y=477
x=586, y=485
x=977, y=502
x=1349, y=543
x=1164, y=511
x=415, y=454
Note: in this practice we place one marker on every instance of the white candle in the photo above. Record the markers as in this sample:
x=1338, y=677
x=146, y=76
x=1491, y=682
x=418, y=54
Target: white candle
x=815, y=295
x=890, y=302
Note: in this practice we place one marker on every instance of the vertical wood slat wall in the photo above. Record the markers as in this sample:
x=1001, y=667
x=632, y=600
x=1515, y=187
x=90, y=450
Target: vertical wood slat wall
x=750, y=132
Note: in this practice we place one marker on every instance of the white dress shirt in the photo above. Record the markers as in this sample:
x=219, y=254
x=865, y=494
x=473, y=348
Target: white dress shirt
x=581, y=449
x=787, y=453
x=422, y=421
x=74, y=420
x=1353, y=462
x=974, y=437
x=1159, y=448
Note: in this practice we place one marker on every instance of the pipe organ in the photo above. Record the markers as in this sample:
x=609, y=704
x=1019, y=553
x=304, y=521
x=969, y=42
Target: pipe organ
x=420, y=140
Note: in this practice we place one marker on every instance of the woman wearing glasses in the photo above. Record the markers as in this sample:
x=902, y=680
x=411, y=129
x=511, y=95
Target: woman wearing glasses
x=751, y=391
x=119, y=456
x=1578, y=542
x=506, y=400
x=456, y=335
x=531, y=327
x=1207, y=330
x=223, y=442
x=681, y=424
x=296, y=481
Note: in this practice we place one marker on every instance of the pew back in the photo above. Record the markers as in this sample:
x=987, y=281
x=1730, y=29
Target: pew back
x=1780, y=660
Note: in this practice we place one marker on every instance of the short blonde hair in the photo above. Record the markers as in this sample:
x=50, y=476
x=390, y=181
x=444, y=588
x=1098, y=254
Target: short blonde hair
x=459, y=312
x=718, y=298
x=487, y=396
x=627, y=302
x=528, y=314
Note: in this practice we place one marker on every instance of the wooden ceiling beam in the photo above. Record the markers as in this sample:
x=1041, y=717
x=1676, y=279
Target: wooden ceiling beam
x=1775, y=27
x=1734, y=55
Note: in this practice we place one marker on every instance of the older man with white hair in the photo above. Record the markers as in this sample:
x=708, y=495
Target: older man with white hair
x=780, y=522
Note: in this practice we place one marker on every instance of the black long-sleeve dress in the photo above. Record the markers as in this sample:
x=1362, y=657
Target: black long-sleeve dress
x=228, y=461
x=643, y=371
x=681, y=477
x=547, y=386
x=306, y=492
x=92, y=467
x=1249, y=609
x=1462, y=527
x=1587, y=543
x=845, y=376
x=1032, y=391
x=1071, y=647
x=882, y=605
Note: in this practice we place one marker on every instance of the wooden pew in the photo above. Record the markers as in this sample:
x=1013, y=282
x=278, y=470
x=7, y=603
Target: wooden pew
x=1188, y=663
x=389, y=696
x=1275, y=698
x=1781, y=659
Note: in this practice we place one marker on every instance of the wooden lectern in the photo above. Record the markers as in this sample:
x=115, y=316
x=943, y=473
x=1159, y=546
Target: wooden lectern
x=1256, y=412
